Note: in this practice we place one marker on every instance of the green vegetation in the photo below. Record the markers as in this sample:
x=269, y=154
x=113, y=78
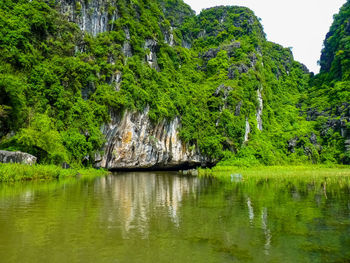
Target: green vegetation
x=21, y=172
x=329, y=93
x=40, y=86
x=314, y=173
x=58, y=84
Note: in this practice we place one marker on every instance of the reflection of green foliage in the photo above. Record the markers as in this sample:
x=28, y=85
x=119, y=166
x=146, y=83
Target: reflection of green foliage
x=289, y=203
x=262, y=220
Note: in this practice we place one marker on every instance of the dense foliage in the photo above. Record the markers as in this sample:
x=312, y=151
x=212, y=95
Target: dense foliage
x=329, y=94
x=58, y=84
x=335, y=64
x=40, y=85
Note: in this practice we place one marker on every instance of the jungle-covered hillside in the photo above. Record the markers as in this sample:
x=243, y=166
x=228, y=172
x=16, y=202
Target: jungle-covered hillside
x=241, y=99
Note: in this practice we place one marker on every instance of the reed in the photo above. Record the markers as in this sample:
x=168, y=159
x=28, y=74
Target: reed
x=12, y=172
x=310, y=173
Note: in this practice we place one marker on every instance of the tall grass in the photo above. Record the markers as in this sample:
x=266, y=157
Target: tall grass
x=11, y=172
x=312, y=173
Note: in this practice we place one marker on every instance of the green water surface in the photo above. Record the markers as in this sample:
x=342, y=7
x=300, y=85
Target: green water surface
x=165, y=217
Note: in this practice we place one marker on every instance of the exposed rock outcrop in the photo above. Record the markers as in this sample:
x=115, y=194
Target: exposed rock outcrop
x=169, y=37
x=337, y=119
x=90, y=16
x=230, y=49
x=151, y=56
x=259, y=110
x=17, y=157
x=247, y=130
x=223, y=92
x=134, y=142
x=186, y=43
x=127, y=49
x=311, y=149
x=292, y=144
x=238, y=108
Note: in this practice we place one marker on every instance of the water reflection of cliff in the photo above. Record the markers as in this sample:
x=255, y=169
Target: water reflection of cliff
x=137, y=198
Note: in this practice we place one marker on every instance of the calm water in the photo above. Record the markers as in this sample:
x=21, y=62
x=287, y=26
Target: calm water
x=163, y=217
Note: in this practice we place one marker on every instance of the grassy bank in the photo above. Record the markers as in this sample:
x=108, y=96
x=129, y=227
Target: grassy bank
x=282, y=173
x=12, y=172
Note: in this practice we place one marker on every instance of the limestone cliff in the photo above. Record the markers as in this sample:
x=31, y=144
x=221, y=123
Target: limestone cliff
x=212, y=91
x=91, y=16
x=134, y=142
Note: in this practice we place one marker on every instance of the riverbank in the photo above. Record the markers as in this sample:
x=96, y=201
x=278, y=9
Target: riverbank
x=11, y=172
x=315, y=172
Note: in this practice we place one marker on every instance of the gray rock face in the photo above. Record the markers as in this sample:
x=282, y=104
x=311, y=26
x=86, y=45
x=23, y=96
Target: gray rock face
x=134, y=142
x=297, y=142
x=337, y=119
x=234, y=69
x=292, y=144
x=169, y=37
x=241, y=68
x=247, y=130
x=313, y=138
x=238, y=108
x=211, y=53
x=223, y=92
x=90, y=16
x=186, y=44
x=88, y=90
x=127, y=50
x=253, y=60
x=259, y=110
x=17, y=157
x=231, y=50
x=151, y=57
x=117, y=79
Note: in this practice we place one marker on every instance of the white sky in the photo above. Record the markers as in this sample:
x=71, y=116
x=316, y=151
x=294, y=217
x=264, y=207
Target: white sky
x=300, y=24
